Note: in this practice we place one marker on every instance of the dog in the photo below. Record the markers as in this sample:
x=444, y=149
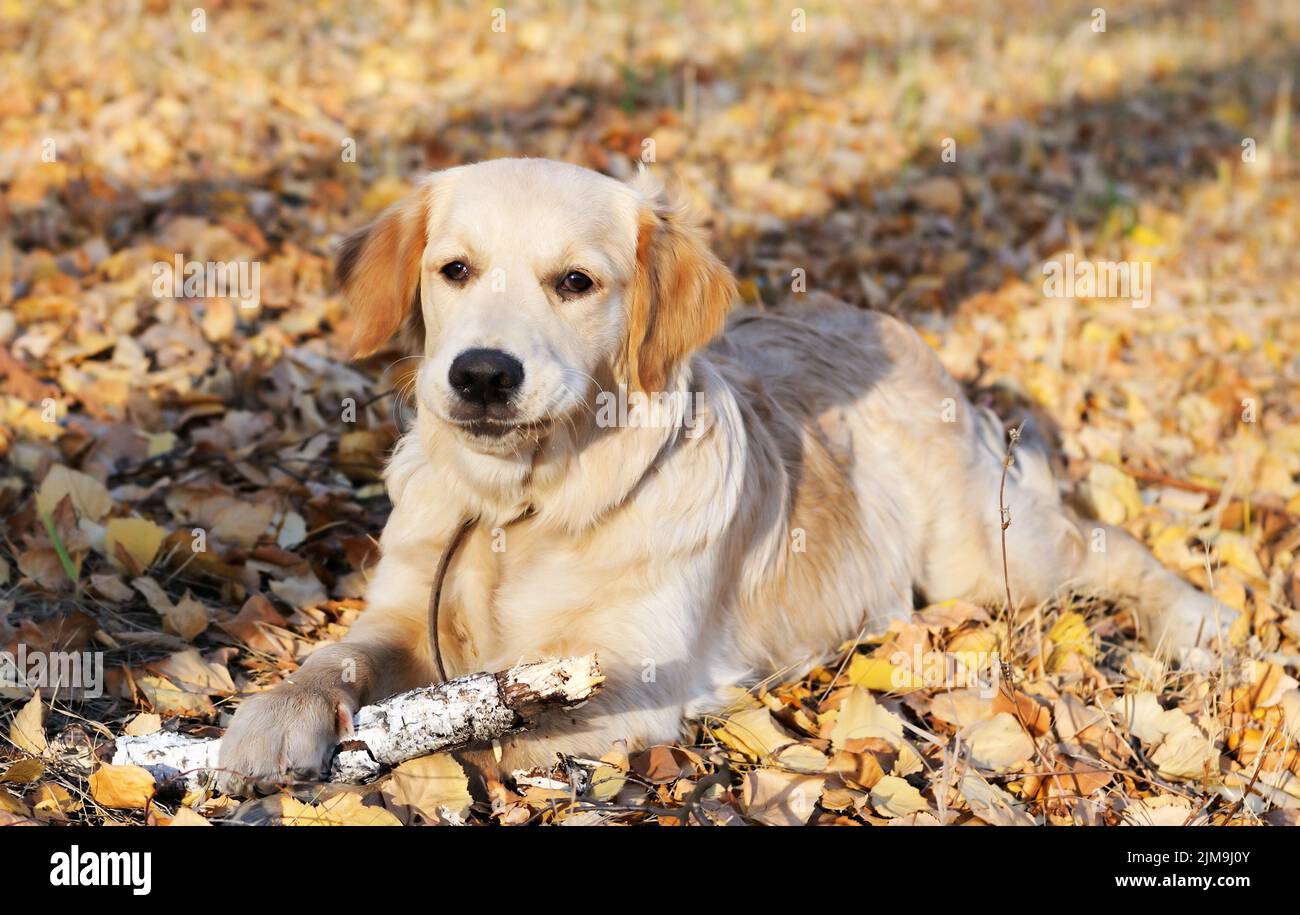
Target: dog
x=765, y=493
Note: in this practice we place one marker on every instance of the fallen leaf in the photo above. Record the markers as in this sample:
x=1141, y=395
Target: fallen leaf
x=991, y=804
x=122, y=787
x=27, y=730
x=880, y=675
x=186, y=816
x=89, y=497
x=139, y=537
x=998, y=744
x=780, y=798
x=435, y=787
x=894, y=797
x=144, y=723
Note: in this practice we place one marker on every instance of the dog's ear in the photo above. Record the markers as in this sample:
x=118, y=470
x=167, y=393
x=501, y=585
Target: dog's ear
x=378, y=269
x=681, y=294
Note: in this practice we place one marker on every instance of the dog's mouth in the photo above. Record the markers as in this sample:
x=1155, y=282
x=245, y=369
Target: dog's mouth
x=494, y=429
x=497, y=436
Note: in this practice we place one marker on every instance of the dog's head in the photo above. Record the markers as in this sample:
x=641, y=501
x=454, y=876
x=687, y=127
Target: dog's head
x=528, y=285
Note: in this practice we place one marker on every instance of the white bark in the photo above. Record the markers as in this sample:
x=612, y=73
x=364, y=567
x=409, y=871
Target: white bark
x=430, y=719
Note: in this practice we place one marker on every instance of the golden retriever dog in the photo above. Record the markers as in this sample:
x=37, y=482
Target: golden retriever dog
x=759, y=490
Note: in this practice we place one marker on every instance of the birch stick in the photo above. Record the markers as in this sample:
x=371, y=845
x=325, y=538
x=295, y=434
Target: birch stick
x=445, y=716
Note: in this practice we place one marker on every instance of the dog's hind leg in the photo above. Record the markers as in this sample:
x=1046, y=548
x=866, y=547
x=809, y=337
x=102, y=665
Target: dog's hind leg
x=1051, y=552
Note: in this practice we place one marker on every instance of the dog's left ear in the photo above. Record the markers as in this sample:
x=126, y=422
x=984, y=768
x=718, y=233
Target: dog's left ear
x=681, y=294
x=378, y=269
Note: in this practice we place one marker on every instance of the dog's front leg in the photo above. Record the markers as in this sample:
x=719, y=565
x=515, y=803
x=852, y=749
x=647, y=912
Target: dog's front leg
x=292, y=729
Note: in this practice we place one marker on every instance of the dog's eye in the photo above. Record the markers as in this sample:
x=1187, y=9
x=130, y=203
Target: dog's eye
x=575, y=282
x=456, y=271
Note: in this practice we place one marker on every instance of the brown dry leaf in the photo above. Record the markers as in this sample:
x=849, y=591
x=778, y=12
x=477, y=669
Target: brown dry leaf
x=962, y=707
x=1177, y=746
x=186, y=816
x=27, y=730
x=53, y=800
x=660, y=764
x=938, y=193
x=301, y=591
x=780, y=798
x=110, y=587
x=23, y=771
x=169, y=699
x=89, y=497
x=144, y=723
x=894, y=797
x=998, y=744
x=991, y=804
x=1162, y=810
x=189, y=671
x=188, y=618
x=435, y=787
x=12, y=805
x=344, y=809
x=226, y=517
x=1073, y=717
x=122, y=787
x=756, y=734
x=258, y=626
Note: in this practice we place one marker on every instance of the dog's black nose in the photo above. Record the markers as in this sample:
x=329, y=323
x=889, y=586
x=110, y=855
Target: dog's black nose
x=485, y=376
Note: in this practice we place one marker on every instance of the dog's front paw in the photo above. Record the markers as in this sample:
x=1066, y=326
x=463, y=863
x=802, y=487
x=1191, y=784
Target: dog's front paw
x=289, y=731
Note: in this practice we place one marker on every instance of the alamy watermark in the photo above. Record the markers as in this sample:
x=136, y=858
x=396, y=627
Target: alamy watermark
x=182, y=279
x=625, y=409
x=79, y=672
x=977, y=670
x=1088, y=279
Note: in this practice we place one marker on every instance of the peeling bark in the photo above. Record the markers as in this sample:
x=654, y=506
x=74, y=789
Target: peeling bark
x=445, y=716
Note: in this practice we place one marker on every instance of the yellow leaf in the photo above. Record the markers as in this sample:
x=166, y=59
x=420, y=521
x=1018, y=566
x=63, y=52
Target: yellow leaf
x=754, y=733
x=973, y=642
x=53, y=799
x=12, y=804
x=999, y=744
x=433, y=786
x=1141, y=235
x=859, y=717
x=161, y=443
x=140, y=538
x=185, y=816
x=89, y=496
x=122, y=787
x=608, y=778
x=1113, y=494
x=345, y=809
x=25, y=770
x=894, y=797
x=1070, y=635
x=880, y=675
x=1236, y=551
x=27, y=730
x=144, y=723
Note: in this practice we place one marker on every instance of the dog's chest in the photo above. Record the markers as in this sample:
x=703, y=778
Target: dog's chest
x=521, y=590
